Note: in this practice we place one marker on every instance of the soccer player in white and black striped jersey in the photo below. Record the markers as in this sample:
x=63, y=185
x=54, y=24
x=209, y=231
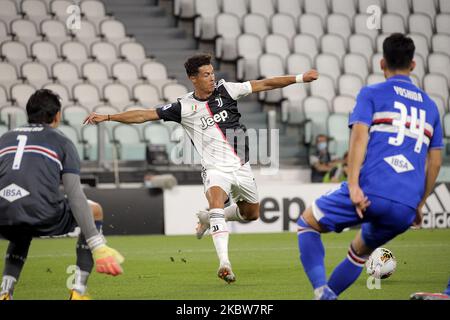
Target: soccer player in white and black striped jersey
x=210, y=117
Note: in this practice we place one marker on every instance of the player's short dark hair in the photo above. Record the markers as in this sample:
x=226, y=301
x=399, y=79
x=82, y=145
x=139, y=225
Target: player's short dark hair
x=398, y=51
x=43, y=106
x=195, y=62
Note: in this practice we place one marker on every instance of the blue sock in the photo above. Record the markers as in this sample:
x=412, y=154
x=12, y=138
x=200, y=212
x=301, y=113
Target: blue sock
x=312, y=253
x=447, y=291
x=346, y=272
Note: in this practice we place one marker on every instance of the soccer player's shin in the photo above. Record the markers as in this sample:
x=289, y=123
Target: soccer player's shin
x=312, y=253
x=346, y=272
x=219, y=232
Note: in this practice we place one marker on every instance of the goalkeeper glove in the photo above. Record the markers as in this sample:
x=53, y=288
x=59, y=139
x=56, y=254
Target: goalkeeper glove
x=107, y=259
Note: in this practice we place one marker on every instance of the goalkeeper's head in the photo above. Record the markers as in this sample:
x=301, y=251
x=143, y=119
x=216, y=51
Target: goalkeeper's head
x=44, y=107
x=398, y=55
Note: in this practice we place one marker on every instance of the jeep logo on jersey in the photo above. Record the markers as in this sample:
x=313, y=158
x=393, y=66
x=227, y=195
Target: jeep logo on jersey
x=399, y=163
x=13, y=192
x=210, y=121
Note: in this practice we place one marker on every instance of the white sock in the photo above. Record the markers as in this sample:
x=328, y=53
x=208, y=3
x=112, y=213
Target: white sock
x=219, y=232
x=80, y=283
x=8, y=283
x=232, y=213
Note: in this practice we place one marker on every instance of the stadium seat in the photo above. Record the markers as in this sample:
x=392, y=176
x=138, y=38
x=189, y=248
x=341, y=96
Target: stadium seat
x=184, y=9
x=345, y=7
x=13, y=116
x=278, y=45
x=59, y=9
x=127, y=73
x=8, y=11
x=61, y=90
x=324, y=88
x=270, y=65
x=104, y=52
x=363, y=5
x=289, y=7
x=376, y=67
x=87, y=95
x=420, y=69
x=87, y=33
x=298, y=63
x=157, y=133
x=147, y=94
x=339, y=131
x=4, y=33
x=205, y=20
x=392, y=23
x=257, y=25
x=441, y=43
x=440, y=103
x=311, y=24
x=134, y=52
x=21, y=92
x=46, y=52
x=317, y=7
x=130, y=146
x=307, y=45
x=380, y=39
x=262, y=7
x=249, y=49
x=15, y=52
x=35, y=73
x=74, y=116
x=114, y=31
x=440, y=64
x=443, y=23
x=8, y=75
x=291, y=106
x=343, y=104
x=362, y=44
x=75, y=52
x=426, y=7
x=89, y=136
x=3, y=96
x=117, y=95
x=173, y=91
x=360, y=25
x=94, y=11
x=283, y=24
x=350, y=85
x=3, y=129
x=421, y=44
x=71, y=133
x=237, y=8
x=35, y=10
x=375, y=78
x=329, y=65
x=316, y=114
x=66, y=73
x=55, y=32
x=421, y=24
x=96, y=73
x=334, y=44
x=156, y=74
x=228, y=29
x=25, y=31
x=339, y=24
x=400, y=8
x=436, y=84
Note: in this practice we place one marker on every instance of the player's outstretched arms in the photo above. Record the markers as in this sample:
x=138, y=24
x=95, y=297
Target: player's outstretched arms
x=283, y=81
x=132, y=116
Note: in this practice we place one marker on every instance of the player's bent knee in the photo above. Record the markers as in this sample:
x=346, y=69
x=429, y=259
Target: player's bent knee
x=97, y=210
x=309, y=218
x=249, y=212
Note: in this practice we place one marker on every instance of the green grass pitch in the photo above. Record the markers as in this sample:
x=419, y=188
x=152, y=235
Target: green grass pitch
x=266, y=267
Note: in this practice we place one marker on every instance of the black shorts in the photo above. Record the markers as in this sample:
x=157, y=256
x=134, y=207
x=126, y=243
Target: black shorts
x=65, y=225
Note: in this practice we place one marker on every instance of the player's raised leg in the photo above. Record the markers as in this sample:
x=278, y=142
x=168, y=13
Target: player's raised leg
x=16, y=255
x=85, y=262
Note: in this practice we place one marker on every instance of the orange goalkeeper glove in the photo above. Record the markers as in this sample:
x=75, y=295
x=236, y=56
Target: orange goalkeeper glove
x=107, y=259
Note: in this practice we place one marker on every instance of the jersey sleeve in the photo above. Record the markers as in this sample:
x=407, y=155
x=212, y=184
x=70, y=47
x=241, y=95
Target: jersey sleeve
x=437, y=138
x=170, y=112
x=364, y=109
x=237, y=90
x=71, y=159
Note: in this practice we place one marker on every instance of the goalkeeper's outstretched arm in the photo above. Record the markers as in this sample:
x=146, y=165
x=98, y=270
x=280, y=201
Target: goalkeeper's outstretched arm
x=283, y=81
x=132, y=116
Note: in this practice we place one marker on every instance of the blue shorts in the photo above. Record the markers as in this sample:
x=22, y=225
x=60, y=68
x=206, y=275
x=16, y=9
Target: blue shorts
x=383, y=220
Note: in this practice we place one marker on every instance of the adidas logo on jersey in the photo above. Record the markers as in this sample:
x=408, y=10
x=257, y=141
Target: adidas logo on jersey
x=210, y=121
x=13, y=192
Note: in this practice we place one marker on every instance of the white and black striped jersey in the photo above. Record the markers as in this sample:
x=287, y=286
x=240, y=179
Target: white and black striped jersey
x=213, y=125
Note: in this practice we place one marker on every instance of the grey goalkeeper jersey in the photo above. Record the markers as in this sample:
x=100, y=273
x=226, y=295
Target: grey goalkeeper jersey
x=32, y=161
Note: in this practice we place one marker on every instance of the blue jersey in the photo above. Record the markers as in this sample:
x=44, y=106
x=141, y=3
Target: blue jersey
x=404, y=124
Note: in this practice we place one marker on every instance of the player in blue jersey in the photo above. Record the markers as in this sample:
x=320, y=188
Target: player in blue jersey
x=394, y=160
